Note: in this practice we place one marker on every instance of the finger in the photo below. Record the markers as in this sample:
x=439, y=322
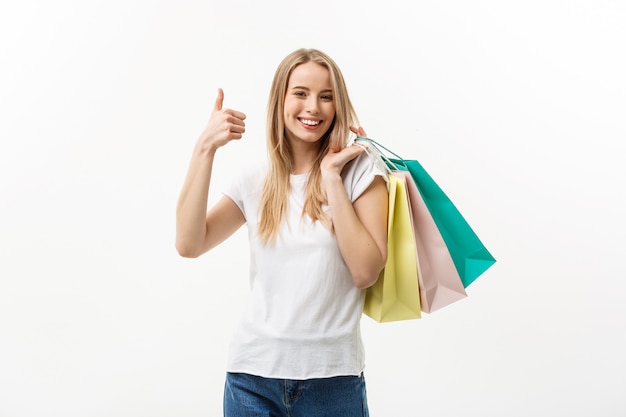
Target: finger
x=237, y=128
x=358, y=130
x=237, y=114
x=219, y=100
x=358, y=148
x=361, y=145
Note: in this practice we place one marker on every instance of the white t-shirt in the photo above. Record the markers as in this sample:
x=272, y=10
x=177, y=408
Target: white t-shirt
x=303, y=316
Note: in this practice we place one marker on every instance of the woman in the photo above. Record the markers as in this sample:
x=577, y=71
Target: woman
x=316, y=215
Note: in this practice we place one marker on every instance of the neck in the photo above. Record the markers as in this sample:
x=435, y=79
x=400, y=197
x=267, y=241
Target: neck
x=304, y=156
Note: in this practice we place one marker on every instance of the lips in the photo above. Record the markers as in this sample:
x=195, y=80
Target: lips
x=310, y=122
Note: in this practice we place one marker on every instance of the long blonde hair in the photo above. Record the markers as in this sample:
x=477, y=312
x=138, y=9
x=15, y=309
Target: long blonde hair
x=276, y=186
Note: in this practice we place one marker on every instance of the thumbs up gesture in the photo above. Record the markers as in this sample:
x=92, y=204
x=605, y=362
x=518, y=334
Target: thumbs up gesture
x=223, y=126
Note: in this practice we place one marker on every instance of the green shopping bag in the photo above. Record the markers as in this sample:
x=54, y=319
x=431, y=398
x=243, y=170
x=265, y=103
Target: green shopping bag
x=469, y=254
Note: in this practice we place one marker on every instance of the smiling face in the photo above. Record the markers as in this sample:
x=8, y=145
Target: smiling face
x=309, y=107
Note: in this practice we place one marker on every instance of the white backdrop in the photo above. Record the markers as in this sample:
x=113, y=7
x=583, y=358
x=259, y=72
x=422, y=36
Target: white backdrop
x=516, y=108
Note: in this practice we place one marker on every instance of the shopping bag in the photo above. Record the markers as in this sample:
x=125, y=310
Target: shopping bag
x=471, y=257
x=439, y=281
x=395, y=295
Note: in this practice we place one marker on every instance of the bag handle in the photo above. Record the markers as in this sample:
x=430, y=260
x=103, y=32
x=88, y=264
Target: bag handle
x=389, y=164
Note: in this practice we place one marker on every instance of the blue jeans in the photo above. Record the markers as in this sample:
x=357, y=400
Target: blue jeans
x=253, y=396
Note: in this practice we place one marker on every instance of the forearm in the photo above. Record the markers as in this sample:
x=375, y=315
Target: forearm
x=191, y=209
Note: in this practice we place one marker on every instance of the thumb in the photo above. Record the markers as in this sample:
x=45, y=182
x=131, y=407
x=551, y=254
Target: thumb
x=219, y=100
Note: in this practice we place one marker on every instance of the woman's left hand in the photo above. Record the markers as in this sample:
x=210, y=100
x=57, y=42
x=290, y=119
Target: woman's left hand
x=335, y=160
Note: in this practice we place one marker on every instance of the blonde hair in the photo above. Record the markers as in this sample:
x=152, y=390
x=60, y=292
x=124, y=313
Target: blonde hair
x=276, y=186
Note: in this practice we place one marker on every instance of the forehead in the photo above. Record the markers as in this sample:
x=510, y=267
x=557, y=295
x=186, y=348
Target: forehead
x=310, y=75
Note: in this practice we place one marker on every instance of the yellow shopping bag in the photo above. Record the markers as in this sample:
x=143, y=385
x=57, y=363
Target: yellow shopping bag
x=395, y=295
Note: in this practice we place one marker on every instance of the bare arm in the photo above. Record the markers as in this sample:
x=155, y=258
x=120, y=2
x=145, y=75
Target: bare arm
x=360, y=228
x=197, y=230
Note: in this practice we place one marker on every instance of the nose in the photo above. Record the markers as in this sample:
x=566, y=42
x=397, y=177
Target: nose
x=312, y=105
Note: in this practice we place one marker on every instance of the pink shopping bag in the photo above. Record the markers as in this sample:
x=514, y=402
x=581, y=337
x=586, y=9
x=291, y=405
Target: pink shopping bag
x=439, y=281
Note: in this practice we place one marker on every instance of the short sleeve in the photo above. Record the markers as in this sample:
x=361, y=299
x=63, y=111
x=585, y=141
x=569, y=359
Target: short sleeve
x=245, y=189
x=359, y=174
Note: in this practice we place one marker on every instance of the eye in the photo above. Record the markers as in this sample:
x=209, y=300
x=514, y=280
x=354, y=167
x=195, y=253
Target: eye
x=299, y=93
x=327, y=97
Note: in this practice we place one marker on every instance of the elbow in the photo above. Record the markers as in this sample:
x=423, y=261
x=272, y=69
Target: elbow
x=367, y=277
x=365, y=281
x=186, y=250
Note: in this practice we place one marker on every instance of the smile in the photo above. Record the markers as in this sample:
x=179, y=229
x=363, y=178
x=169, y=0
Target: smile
x=310, y=122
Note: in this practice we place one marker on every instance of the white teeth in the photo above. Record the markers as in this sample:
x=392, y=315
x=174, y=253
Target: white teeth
x=310, y=122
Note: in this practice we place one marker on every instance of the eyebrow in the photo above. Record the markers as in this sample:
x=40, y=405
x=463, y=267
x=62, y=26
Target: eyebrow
x=328, y=90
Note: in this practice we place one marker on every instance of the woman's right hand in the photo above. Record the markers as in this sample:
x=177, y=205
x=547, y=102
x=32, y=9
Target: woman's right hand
x=224, y=125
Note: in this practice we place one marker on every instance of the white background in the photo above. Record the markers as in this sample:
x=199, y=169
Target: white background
x=516, y=108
